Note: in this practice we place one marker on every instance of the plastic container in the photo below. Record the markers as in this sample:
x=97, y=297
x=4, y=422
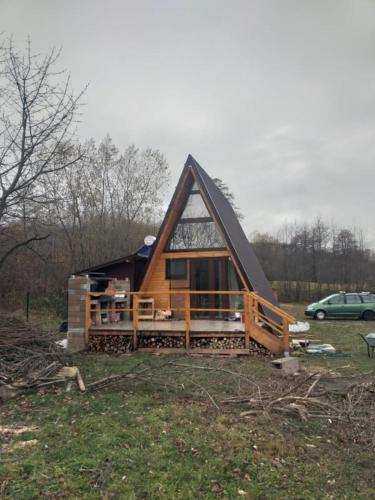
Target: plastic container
x=371, y=339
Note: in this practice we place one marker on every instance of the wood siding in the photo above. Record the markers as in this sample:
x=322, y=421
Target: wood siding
x=157, y=282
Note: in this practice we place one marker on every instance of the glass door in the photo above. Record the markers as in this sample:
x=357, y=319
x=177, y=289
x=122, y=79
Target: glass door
x=209, y=275
x=200, y=280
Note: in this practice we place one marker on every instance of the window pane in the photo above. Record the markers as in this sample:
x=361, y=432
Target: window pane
x=234, y=282
x=195, y=208
x=337, y=299
x=176, y=269
x=196, y=235
x=353, y=299
x=367, y=299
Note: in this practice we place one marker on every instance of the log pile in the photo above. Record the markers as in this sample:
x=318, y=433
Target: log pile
x=111, y=344
x=120, y=344
x=258, y=350
x=217, y=343
x=29, y=357
x=228, y=343
x=161, y=342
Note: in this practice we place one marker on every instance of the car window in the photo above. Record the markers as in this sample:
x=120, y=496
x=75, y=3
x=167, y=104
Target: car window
x=336, y=299
x=370, y=298
x=353, y=298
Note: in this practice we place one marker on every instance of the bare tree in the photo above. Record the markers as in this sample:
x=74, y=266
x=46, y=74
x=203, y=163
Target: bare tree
x=105, y=206
x=37, y=114
x=229, y=196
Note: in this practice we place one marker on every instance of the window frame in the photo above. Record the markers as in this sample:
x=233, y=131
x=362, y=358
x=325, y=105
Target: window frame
x=328, y=301
x=199, y=217
x=371, y=296
x=219, y=243
x=181, y=276
x=353, y=295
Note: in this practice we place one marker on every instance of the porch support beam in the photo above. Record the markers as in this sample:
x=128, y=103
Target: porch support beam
x=187, y=321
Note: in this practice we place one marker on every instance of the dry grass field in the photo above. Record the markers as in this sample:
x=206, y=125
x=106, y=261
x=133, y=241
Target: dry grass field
x=169, y=434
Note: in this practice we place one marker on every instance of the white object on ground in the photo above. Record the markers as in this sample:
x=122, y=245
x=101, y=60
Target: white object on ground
x=62, y=343
x=300, y=326
x=321, y=348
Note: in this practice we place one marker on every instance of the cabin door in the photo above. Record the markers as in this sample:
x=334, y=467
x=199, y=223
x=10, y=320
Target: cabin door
x=208, y=275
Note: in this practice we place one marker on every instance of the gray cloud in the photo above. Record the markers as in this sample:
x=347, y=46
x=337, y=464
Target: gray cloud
x=277, y=98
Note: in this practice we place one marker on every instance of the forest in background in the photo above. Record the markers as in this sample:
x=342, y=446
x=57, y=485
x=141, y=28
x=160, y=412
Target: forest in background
x=67, y=205
x=305, y=262
x=100, y=209
x=64, y=204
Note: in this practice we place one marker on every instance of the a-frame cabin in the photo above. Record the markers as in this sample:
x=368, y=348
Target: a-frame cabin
x=202, y=281
x=201, y=244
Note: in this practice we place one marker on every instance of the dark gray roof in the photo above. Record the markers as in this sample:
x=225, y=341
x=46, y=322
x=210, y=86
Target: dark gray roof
x=235, y=236
x=142, y=252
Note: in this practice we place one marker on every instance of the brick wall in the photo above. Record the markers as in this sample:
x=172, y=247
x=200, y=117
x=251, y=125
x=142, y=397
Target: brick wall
x=78, y=286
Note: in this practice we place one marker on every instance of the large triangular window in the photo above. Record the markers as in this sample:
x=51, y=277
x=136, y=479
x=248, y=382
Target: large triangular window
x=195, y=229
x=195, y=207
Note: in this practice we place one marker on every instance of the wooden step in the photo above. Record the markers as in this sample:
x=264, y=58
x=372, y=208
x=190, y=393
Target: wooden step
x=267, y=339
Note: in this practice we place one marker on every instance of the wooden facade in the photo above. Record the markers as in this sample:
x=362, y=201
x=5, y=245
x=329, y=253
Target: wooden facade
x=156, y=275
x=201, y=273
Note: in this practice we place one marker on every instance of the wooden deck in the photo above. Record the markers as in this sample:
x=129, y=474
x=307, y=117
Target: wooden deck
x=271, y=332
x=172, y=327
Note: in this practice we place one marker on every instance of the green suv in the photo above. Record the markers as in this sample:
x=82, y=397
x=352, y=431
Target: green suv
x=344, y=305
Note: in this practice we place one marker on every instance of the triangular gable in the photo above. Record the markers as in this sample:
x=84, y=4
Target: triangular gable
x=194, y=178
x=240, y=247
x=195, y=228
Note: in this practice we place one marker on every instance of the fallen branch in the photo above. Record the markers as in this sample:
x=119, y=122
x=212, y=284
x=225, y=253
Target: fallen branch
x=311, y=388
x=211, y=368
x=208, y=394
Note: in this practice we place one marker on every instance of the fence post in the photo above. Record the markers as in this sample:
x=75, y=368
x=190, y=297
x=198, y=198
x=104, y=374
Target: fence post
x=135, y=321
x=248, y=314
x=286, y=336
x=87, y=317
x=187, y=321
x=255, y=307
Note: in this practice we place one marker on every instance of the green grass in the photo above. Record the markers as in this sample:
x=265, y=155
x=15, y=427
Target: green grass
x=165, y=439
x=343, y=335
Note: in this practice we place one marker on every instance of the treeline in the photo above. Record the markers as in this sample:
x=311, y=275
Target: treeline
x=306, y=262
x=100, y=208
x=67, y=205
x=64, y=205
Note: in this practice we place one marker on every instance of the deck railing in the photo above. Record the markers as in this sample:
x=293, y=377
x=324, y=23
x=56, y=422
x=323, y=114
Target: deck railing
x=256, y=312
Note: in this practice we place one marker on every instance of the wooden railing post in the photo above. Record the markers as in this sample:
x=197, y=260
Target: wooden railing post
x=286, y=336
x=255, y=305
x=135, y=321
x=248, y=314
x=187, y=321
x=87, y=317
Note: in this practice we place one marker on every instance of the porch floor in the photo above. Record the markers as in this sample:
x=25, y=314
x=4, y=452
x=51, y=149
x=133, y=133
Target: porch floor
x=196, y=325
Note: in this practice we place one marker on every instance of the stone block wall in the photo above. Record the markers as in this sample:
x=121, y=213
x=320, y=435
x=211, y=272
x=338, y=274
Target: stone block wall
x=78, y=286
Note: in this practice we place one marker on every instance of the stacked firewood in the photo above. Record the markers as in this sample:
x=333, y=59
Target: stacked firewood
x=217, y=343
x=119, y=344
x=258, y=349
x=161, y=342
x=111, y=344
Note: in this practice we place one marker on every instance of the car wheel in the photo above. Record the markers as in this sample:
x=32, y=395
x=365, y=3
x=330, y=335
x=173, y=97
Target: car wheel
x=320, y=315
x=368, y=316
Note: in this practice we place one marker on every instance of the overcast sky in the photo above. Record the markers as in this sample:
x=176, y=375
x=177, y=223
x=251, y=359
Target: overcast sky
x=276, y=97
